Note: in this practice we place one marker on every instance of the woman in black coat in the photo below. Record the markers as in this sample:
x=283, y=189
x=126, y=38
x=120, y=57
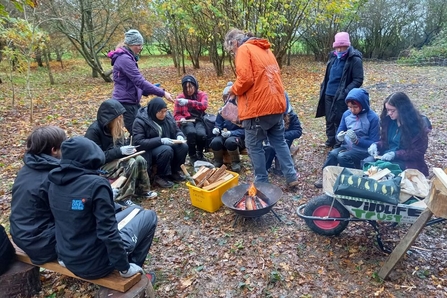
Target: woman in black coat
x=156, y=132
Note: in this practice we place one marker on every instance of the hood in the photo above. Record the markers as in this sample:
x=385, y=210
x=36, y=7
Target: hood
x=259, y=42
x=41, y=161
x=143, y=115
x=113, y=55
x=80, y=156
x=109, y=110
x=360, y=95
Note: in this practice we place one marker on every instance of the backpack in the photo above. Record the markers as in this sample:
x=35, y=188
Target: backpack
x=209, y=120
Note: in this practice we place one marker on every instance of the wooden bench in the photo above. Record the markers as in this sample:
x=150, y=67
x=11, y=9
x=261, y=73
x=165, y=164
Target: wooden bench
x=113, y=281
x=436, y=204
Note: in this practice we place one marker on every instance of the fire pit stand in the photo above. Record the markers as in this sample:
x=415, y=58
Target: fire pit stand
x=270, y=193
x=239, y=217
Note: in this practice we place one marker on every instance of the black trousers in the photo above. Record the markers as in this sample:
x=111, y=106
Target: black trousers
x=168, y=158
x=334, y=110
x=130, y=115
x=195, y=133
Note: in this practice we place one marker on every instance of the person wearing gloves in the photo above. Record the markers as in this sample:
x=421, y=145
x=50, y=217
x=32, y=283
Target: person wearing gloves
x=292, y=131
x=89, y=241
x=191, y=105
x=358, y=129
x=108, y=133
x=228, y=136
x=31, y=220
x=155, y=130
x=344, y=71
x=403, y=134
x=129, y=83
x=261, y=102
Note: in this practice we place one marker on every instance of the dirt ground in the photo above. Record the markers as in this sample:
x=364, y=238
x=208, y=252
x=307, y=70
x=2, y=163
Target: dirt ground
x=201, y=254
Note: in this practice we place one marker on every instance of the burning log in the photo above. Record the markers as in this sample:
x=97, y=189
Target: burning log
x=251, y=200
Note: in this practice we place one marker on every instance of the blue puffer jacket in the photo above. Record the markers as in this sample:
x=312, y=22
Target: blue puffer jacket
x=365, y=124
x=130, y=85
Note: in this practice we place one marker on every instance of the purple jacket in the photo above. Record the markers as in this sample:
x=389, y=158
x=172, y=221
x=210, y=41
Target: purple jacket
x=130, y=85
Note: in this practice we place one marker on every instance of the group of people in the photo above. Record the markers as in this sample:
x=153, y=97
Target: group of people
x=355, y=132
x=63, y=205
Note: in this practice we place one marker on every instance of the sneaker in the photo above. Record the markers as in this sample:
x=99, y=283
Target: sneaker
x=127, y=203
x=178, y=177
x=150, y=194
x=163, y=183
x=151, y=277
x=319, y=183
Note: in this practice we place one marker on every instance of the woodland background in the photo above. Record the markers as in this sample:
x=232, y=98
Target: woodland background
x=58, y=76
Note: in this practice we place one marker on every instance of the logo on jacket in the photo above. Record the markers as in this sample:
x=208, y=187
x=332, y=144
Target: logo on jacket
x=77, y=204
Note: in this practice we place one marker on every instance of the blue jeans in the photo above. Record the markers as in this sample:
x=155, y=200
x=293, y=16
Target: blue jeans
x=345, y=158
x=271, y=127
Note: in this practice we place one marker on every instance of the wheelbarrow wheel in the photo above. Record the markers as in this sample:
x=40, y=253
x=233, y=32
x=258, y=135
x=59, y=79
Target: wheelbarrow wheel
x=321, y=207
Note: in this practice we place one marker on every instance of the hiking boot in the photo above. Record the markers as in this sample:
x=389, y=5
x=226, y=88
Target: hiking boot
x=218, y=158
x=178, y=177
x=294, y=183
x=151, y=277
x=235, y=160
x=162, y=182
x=126, y=203
x=319, y=183
x=193, y=159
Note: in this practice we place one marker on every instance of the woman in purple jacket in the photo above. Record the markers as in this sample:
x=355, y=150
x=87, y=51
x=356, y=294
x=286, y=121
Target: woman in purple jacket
x=403, y=134
x=130, y=84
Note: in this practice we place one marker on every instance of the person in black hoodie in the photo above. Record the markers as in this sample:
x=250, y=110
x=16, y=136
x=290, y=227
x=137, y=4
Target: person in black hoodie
x=154, y=130
x=31, y=220
x=88, y=240
x=107, y=132
x=7, y=251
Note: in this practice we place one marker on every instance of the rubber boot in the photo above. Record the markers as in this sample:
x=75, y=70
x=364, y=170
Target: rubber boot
x=218, y=158
x=235, y=160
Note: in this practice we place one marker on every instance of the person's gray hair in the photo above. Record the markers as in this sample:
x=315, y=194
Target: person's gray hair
x=235, y=35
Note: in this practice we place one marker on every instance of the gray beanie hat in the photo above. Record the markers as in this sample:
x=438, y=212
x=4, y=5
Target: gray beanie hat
x=133, y=37
x=227, y=89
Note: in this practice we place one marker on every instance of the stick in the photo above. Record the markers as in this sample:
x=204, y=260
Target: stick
x=187, y=120
x=130, y=156
x=130, y=140
x=188, y=176
x=119, y=182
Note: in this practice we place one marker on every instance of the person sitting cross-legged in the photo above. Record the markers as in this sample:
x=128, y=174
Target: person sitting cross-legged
x=89, y=241
x=358, y=129
x=108, y=133
x=155, y=131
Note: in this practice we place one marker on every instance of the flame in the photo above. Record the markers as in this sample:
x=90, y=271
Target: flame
x=252, y=190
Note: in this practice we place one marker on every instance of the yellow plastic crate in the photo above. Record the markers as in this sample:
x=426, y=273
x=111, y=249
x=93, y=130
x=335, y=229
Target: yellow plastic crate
x=211, y=200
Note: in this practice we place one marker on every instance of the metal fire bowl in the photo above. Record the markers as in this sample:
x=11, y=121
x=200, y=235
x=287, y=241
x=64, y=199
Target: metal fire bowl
x=233, y=195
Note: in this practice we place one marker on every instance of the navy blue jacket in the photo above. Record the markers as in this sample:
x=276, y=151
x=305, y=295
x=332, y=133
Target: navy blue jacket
x=87, y=236
x=32, y=223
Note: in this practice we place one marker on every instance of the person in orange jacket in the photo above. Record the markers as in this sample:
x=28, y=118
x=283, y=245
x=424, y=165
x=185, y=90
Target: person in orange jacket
x=261, y=102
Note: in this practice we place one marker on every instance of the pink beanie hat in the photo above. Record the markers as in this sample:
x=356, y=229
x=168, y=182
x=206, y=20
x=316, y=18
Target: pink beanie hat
x=341, y=40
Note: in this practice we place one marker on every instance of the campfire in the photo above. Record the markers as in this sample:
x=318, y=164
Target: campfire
x=253, y=199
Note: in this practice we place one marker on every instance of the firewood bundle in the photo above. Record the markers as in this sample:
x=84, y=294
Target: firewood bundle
x=209, y=179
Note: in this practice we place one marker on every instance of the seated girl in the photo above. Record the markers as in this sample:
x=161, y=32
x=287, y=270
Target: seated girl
x=154, y=130
x=403, y=135
x=228, y=136
x=191, y=105
x=108, y=133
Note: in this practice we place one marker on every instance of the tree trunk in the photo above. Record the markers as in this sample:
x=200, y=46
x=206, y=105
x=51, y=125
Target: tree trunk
x=47, y=62
x=21, y=280
x=142, y=289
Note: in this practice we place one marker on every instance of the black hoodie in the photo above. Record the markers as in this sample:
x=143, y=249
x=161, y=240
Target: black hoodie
x=98, y=132
x=87, y=236
x=32, y=224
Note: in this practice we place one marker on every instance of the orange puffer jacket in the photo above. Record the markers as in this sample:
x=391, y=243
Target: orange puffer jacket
x=258, y=85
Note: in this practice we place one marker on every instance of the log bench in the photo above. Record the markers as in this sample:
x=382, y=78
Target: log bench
x=113, y=284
